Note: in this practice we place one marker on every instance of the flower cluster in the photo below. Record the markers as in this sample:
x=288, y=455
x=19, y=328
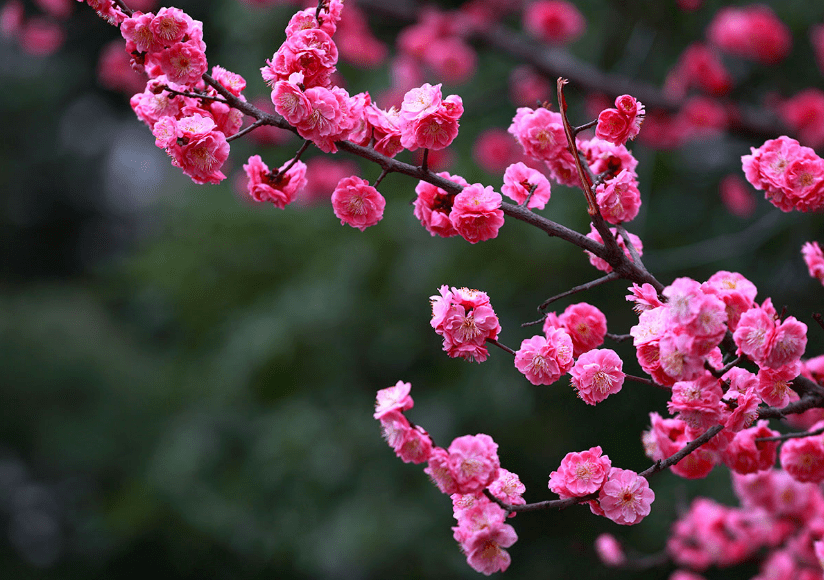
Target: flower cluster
x=541, y=135
x=520, y=181
x=621, y=123
x=468, y=467
x=543, y=359
x=585, y=324
x=597, y=374
x=427, y=120
x=465, y=320
x=769, y=343
x=791, y=175
x=623, y=495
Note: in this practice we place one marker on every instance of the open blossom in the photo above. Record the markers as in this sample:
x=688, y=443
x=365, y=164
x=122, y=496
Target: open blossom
x=586, y=325
x=465, y=319
x=520, y=180
x=357, y=203
x=280, y=187
x=508, y=488
x=597, y=374
x=427, y=120
x=483, y=535
x=626, y=497
x=542, y=360
x=395, y=398
x=621, y=123
x=410, y=443
x=814, y=258
x=769, y=344
x=580, y=474
x=803, y=458
x=745, y=455
x=473, y=463
x=476, y=213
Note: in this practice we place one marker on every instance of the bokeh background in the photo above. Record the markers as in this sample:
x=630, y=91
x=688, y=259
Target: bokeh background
x=187, y=380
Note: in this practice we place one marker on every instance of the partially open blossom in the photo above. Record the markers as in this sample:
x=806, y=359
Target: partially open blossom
x=621, y=123
x=746, y=455
x=357, y=203
x=626, y=497
x=597, y=374
x=586, y=325
x=395, y=398
x=580, y=474
x=619, y=199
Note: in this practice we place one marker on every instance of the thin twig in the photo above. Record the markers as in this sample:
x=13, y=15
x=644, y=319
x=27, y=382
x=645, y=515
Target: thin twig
x=248, y=129
x=169, y=89
x=294, y=160
x=662, y=464
x=529, y=195
x=646, y=381
x=425, y=160
x=618, y=337
x=383, y=174
x=587, y=286
x=501, y=346
x=584, y=127
x=819, y=319
x=786, y=436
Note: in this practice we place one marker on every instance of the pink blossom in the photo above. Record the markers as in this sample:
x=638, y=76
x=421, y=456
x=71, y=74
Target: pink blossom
x=542, y=360
x=735, y=290
x=439, y=471
x=476, y=213
x=609, y=551
x=410, y=443
x=608, y=159
x=540, y=132
x=619, y=199
x=554, y=21
x=736, y=196
x=278, y=187
x=664, y=438
x=202, y=157
x=586, y=325
x=465, y=319
x=138, y=33
x=329, y=120
x=752, y=32
x=395, y=398
x=433, y=206
x=580, y=474
x=473, y=462
x=484, y=548
x=170, y=26
x=745, y=455
x=357, y=203
x=621, y=123
x=290, y=101
x=786, y=344
x=803, y=459
x=626, y=497
x=115, y=73
x=644, y=296
x=12, y=17
x=40, y=36
x=597, y=374
x=697, y=403
x=700, y=66
x=508, y=488
x=814, y=258
x=183, y=63
x=451, y=58
x=520, y=180
x=323, y=174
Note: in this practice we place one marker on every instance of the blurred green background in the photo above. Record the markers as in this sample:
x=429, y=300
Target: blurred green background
x=187, y=381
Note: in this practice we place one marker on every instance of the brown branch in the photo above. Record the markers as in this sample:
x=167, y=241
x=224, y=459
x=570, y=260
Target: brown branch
x=662, y=464
x=591, y=284
x=646, y=381
x=500, y=345
x=786, y=436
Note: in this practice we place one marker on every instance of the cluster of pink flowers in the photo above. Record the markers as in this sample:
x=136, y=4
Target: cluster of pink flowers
x=623, y=495
x=541, y=135
x=475, y=213
x=468, y=467
x=814, y=258
x=585, y=324
x=766, y=341
x=465, y=319
x=674, y=339
x=752, y=32
x=169, y=48
x=621, y=123
x=777, y=513
x=543, y=359
x=791, y=175
x=427, y=120
x=520, y=181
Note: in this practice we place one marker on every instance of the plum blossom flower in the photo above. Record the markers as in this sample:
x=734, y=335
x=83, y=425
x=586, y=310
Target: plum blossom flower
x=621, y=123
x=814, y=258
x=803, y=458
x=394, y=398
x=597, y=374
x=542, y=360
x=433, y=206
x=280, y=187
x=520, y=180
x=357, y=203
x=465, y=319
x=626, y=497
x=580, y=474
x=476, y=213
